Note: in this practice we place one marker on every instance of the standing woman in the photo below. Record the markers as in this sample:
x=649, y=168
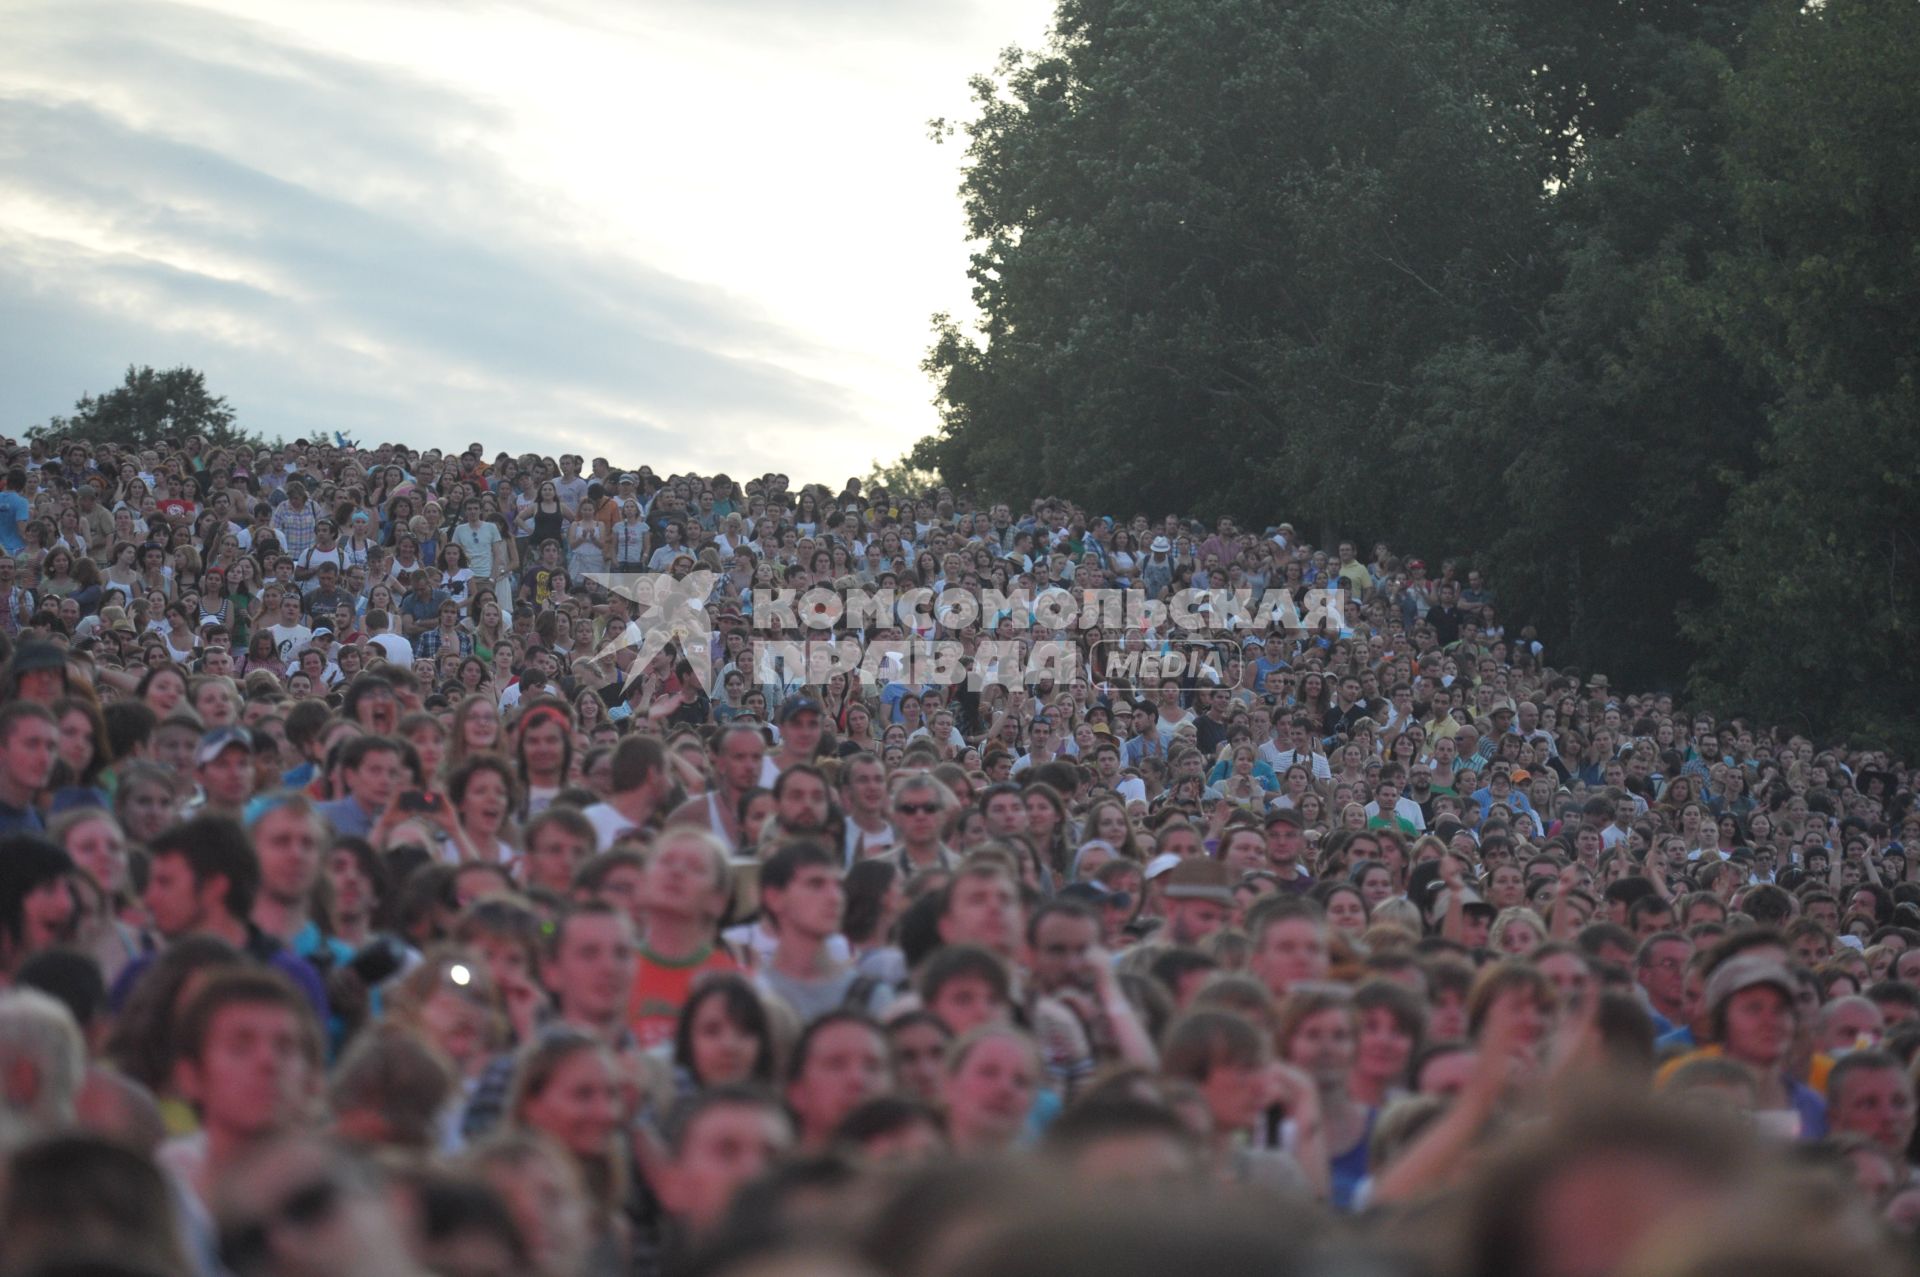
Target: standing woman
x=181, y=638
x=56, y=575
x=482, y=792
x=566, y=1088
x=992, y=1077
x=163, y=688
x=587, y=535
x=474, y=729
x=94, y=839
x=547, y=516
x=1317, y=1033
x=260, y=654
x=629, y=539
x=123, y=569
x=1393, y=1025
x=146, y=800
x=1048, y=827
x=455, y=575
x=489, y=625
x=82, y=747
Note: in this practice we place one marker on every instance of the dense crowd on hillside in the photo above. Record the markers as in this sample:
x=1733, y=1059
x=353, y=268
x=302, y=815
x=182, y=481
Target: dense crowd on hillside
x=381, y=892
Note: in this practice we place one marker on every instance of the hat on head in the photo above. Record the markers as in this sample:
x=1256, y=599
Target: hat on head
x=798, y=705
x=220, y=738
x=1598, y=680
x=1160, y=545
x=1161, y=864
x=1448, y=830
x=1285, y=816
x=1748, y=971
x=1198, y=878
x=38, y=654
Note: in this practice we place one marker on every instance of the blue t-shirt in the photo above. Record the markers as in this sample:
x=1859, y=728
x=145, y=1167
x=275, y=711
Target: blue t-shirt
x=14, y=511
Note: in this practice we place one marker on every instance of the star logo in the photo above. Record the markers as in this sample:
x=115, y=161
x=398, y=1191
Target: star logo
x=669, y=609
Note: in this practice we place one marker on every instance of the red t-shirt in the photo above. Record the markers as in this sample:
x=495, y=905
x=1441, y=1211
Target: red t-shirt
x=661, y=987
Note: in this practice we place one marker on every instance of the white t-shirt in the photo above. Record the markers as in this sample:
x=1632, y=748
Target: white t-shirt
x=399, y=651
x=289, y=639
x=478, y=544
x=608, y=823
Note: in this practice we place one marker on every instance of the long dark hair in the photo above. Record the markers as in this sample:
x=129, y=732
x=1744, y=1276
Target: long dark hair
x=867, y=886
x=743, y=1007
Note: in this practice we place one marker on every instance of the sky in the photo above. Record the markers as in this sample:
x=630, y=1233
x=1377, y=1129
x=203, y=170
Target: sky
x=691, y=234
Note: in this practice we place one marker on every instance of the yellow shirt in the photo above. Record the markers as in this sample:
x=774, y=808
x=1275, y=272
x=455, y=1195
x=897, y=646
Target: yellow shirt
x=1816, y=1078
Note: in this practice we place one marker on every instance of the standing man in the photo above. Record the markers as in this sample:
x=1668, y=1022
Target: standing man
x=640, y=788
x=801, y=722
x=29, y=737
x=683, y=891
x=920, y=807
x=249, y=1059
x=202, y=881
x=223, y=764
x=738, y=755
x=863, y=797
x=1286, y=844
x=478, y=538
x=802, y=897
x=373, y=769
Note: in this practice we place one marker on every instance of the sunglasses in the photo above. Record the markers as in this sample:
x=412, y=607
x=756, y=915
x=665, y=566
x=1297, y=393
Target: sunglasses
x=917, y=809
x=245, y=1247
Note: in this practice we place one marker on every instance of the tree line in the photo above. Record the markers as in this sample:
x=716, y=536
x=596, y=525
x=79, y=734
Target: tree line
x=1622, y=301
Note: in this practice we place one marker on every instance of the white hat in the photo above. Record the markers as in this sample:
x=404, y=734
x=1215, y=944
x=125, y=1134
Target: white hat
x=1160, y=545
x=1161, y=863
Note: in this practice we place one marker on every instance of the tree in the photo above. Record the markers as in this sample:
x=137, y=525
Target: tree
x=1218, y=237
x=1606, y=445
x=1816, y=571
x=148, y=407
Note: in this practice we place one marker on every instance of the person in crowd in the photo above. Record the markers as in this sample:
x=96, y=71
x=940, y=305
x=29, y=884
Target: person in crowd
x=576, y=930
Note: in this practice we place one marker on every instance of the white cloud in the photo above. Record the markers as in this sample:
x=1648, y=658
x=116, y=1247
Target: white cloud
x=691, y=234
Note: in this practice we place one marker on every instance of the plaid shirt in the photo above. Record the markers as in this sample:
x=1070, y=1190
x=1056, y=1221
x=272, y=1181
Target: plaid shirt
x=429, y=645
x=295, y=528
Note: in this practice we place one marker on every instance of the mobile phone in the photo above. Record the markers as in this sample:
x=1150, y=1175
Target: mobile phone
x=420, y=802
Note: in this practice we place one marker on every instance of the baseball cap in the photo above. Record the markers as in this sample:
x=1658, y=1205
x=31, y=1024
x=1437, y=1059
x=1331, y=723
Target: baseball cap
x=1747, y=971
x=1285, y=816
x=629, y=478
x=1161, y=863
x=799, y=705
x=220, y=738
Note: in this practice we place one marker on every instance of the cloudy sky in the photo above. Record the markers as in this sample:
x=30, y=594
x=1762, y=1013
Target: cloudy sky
x=688, y=233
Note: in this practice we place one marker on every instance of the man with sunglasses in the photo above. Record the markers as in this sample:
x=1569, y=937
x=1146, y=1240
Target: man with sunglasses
x=920, y=806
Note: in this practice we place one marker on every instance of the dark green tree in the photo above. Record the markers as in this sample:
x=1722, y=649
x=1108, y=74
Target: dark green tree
x=1602, y=449
x=1816, y=571
x=1217, y=240
x=149, y=406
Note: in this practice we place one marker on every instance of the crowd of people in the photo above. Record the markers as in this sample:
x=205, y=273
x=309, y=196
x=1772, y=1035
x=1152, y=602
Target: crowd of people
x=376, y=898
